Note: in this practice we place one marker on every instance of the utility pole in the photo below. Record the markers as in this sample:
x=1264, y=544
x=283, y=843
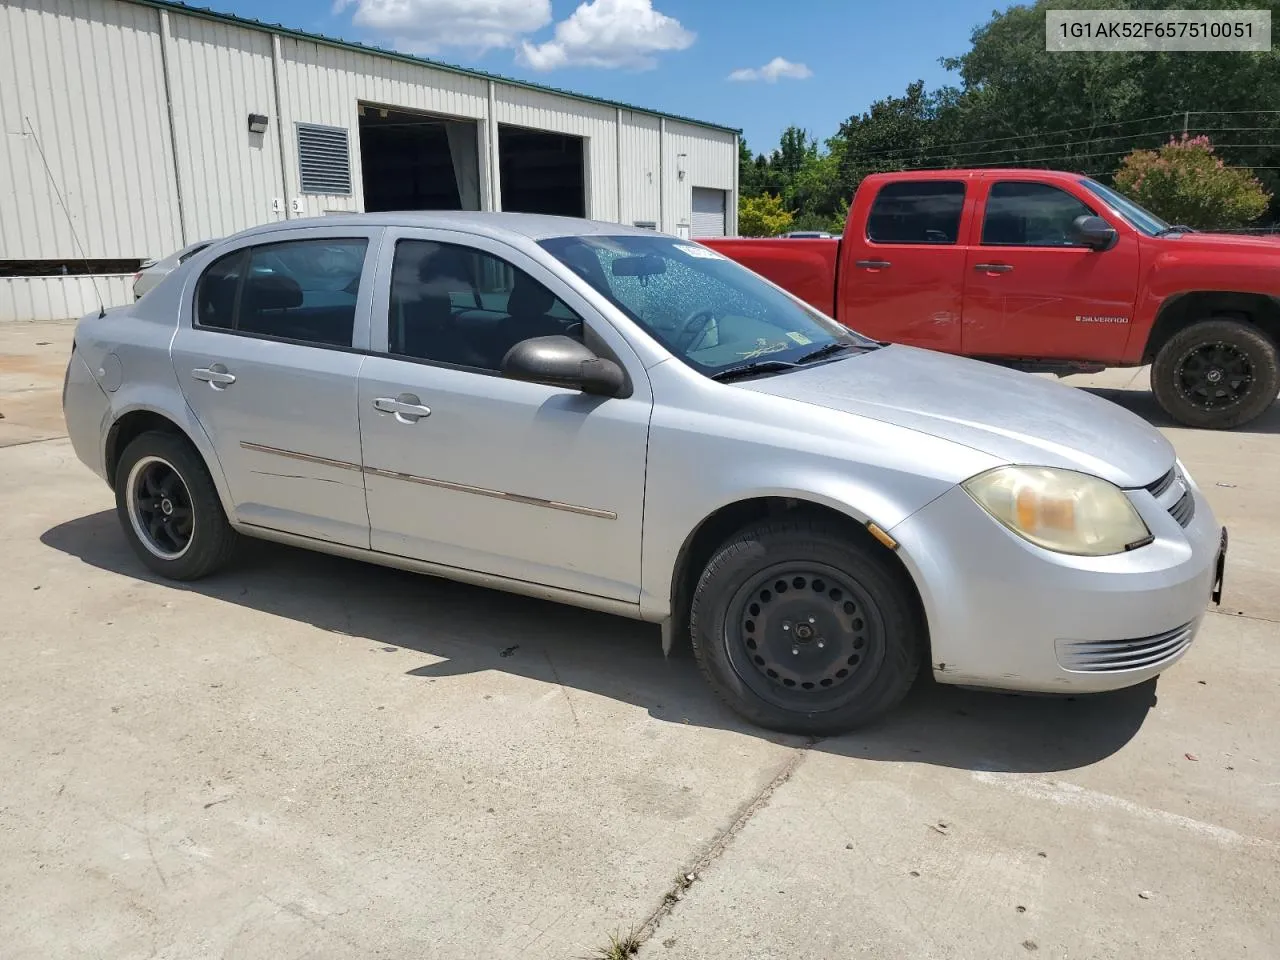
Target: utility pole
x=1186, y=118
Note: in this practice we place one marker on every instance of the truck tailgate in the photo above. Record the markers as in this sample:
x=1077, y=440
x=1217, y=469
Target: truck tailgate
x=807, y=268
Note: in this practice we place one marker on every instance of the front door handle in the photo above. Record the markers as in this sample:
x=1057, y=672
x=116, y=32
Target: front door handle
x=407, y=407
x=872, y=264
x=215, y=375
x=993, y=267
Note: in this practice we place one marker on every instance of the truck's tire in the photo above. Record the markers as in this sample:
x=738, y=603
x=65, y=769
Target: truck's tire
x=169, y=507
x=1216, y=374
x=804, y=632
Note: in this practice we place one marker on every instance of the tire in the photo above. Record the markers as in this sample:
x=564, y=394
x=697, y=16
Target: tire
x=865, y=626
x=1198, y=376
x=169, y=508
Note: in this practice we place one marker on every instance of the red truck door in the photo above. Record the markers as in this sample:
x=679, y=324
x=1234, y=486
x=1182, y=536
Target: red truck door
x=902, y=268
x=1031, y=291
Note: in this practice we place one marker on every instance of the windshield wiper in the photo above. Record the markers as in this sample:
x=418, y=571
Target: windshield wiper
x=750, y=369
x=831, y=348
x=1176, y=228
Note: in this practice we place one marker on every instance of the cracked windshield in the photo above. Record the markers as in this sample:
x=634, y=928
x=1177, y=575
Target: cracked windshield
x=707, y=310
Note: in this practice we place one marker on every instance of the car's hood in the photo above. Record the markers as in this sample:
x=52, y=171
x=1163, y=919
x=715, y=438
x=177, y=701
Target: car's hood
x=1263, y=246
x=1015, y=416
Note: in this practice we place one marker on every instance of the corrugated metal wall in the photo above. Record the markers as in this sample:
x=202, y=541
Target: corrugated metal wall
x=638, y=174
x=91, y=74
x=60, y=298
x=708, y=159
x=322, y=84
x=221, y=73
x=87, y=73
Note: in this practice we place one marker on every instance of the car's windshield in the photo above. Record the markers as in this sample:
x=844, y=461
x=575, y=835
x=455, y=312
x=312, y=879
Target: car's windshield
x=1138, y=217
x=709, y=311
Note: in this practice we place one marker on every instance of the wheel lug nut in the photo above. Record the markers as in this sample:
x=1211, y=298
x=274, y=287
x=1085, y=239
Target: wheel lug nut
x=795, y=651
x=821, y=644
x=813, y=619
x=786, y=628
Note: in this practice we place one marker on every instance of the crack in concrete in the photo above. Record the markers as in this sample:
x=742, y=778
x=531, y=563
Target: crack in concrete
x=719, y=845
x=25, y=443
x=1242, y=616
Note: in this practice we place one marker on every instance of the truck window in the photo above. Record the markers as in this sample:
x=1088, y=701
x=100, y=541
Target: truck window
x=917, y=211
x=1030, y=215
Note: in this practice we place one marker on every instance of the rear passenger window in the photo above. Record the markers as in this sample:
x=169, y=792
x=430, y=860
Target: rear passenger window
x=917, y=211
x=302, y=290
x=216, y=295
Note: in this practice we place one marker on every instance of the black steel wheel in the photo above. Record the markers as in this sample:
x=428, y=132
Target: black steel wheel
x=802, y=627
x=804, y=635
x=169, y=508
x=1216, y=374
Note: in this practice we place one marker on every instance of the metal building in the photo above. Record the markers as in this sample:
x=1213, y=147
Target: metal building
x=135, y=127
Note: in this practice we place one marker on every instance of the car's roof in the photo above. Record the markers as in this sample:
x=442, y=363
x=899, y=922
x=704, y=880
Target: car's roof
x=983, y=173
x=535, y=226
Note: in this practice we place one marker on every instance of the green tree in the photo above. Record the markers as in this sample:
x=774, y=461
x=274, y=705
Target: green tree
x=1020, y=105
x=1015, y=104
x=762, y=216
x=750, y=179
x=893, y=134
x=1185, y=183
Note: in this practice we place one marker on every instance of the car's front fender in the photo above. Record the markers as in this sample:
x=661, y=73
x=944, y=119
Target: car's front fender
x=701, y=464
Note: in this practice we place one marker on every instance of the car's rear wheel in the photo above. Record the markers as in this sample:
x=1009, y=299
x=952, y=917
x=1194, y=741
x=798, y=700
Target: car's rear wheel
x=1216, y=374
x=802, y=631
x=169, y=507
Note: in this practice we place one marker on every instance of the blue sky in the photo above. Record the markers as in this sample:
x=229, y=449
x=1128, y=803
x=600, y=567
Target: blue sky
x=837, y=56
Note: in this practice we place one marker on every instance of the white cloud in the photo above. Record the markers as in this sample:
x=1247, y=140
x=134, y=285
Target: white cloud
x=428, y=26
x=609, y=33
x=772, y=71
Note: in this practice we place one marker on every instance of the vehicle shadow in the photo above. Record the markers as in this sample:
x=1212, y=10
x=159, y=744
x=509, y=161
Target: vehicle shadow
x=1143, y=403
x=466, y=630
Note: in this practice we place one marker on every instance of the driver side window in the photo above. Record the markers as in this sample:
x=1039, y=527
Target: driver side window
x=1023, y=214
x=464, y=307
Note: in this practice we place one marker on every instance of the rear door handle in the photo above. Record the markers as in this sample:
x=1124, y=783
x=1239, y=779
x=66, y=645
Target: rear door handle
x=993, y=267
x=872, y=264
x=407, y=407
x=215, y=375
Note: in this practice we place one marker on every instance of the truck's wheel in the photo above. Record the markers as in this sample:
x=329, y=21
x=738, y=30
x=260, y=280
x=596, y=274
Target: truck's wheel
x=804, y=632
x=1216, y=374
x=169, y=507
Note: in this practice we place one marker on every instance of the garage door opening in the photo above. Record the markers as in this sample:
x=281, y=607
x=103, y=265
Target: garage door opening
x=709, y=212
x=541, y=172
x=418, y=161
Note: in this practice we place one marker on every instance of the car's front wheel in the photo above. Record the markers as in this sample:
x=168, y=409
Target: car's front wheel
x=803, y=631
x=169, y=507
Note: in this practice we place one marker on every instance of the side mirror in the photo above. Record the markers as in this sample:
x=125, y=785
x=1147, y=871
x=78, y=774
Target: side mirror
x=1093, y=232
x=560, y=361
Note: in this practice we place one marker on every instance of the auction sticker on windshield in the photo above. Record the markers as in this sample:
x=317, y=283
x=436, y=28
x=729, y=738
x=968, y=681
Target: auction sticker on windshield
x=701, y=253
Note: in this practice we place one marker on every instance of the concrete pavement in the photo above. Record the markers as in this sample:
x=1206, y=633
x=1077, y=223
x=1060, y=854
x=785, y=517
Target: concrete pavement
x=311, y=757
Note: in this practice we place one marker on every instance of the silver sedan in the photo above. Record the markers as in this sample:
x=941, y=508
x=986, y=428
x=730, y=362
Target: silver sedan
x=627, y=421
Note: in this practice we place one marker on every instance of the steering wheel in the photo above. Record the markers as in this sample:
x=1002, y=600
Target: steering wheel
x=690, y=333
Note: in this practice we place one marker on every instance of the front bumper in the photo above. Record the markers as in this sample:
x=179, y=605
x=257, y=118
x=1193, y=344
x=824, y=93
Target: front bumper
x=1007, y=614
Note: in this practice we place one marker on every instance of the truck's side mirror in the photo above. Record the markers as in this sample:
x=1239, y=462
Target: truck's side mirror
x=1093, y=232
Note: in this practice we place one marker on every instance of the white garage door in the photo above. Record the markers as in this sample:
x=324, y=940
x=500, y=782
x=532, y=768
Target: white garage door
x=708, y=212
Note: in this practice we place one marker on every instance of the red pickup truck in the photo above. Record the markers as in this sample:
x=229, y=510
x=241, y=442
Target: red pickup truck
x=1046, y=271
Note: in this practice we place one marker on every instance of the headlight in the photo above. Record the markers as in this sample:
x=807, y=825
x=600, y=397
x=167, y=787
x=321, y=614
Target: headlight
x=1060, y=510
